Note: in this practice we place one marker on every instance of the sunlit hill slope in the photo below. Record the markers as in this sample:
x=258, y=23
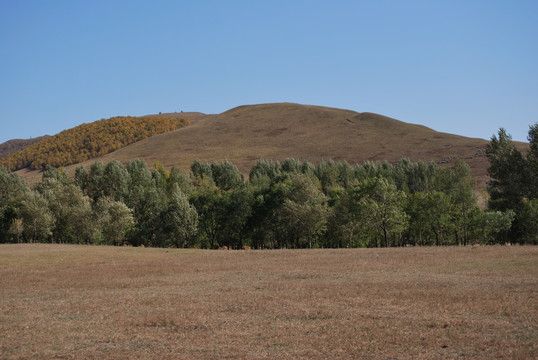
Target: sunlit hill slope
x=279, y=131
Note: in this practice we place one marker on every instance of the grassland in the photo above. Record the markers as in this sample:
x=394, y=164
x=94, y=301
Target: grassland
x=84, y=302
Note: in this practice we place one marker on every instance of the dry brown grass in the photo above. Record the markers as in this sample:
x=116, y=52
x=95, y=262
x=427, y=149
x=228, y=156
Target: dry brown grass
x=279, y=131
x=83, y=302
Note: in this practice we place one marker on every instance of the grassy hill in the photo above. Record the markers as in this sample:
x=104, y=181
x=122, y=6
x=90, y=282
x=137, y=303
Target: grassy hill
x=279, y=131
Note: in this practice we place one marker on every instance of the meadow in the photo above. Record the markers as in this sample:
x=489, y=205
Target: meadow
x=101, y=302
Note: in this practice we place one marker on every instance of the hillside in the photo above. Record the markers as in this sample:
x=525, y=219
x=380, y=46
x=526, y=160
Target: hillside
x=88, y=141
x=15, y=145
x=279, y=131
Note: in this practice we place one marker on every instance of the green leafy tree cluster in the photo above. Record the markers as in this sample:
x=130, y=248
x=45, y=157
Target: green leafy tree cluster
x=293, y=204
x=88, y=141
x=514, y=185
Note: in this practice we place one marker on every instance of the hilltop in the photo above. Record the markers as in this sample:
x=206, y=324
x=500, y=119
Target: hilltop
x=15, y=145
x=286, y=130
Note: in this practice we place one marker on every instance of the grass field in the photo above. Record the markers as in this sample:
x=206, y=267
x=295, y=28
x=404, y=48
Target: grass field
x=90, y=302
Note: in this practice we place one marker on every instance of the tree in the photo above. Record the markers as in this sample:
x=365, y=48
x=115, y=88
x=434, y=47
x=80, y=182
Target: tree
x=114, y=219
x=226, y=175
x=267, y=224
x=459, y=185
x=95, y=184
x=38, y=219
x=71, y=209
x=514, y=183
x=381, y=207
x=201, y=170
x=181, y=220
x=264, y=169
x=16, y=228
x=236, y=210
x=529, y=222
x=306, y=211
x=345, y=223
x=431, y=218
x=207, y=203
x=532, y=161
x=179, y=179
x=12, y=191
x=117, y=179
x=490, y=223
x=506, y=187
x=143, y=198
x=327, y=173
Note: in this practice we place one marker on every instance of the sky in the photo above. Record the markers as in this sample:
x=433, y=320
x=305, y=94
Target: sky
x=464, y=67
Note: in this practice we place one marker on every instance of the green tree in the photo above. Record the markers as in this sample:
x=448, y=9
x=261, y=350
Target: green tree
x=306, y=211
x=73, y=222
x=382, y=212
x=38, y=219
x=96, y=185
x=264, y=169
x=12, y=191
x=532, y=163
x=506, y=187
x=226, y=175
x=16, y=228
x=181, y=220
x=207, y=201
x=528, y=218
x=490, y=223
x=114, y=220
x=201, y=170
x=179, y=179
x=459, y=185
x=268, y=226
x=116, y=179
x=236, y=210
x=327, y=172
x=345, y=220
x=513, y=185
x=431, y=218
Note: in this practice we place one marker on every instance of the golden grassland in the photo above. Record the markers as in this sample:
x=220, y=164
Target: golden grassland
x=92, y=302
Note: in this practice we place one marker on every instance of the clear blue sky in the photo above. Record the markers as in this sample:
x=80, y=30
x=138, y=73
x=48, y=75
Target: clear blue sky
x=464, y=67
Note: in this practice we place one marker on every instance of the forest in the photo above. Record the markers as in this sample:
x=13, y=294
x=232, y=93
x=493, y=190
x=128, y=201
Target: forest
x=292, y=204
x=88, y=141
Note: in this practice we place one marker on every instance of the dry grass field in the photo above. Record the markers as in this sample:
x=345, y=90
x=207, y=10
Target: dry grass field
x=84, y=302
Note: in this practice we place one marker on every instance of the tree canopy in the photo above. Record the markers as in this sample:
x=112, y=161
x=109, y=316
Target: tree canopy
x=290, y=205
x=514, y=184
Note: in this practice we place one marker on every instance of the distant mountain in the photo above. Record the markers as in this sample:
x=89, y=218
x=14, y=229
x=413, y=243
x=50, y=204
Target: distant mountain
x=284, y=130
x=15, y=145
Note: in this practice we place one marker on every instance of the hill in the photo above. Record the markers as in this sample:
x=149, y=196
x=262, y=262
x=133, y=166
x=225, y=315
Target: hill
x=15, y=145
x=279, y=131
x=88, y=141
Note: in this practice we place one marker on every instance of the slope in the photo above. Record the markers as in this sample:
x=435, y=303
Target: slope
x=15, y=145
x=88, y=141
x=278, y=131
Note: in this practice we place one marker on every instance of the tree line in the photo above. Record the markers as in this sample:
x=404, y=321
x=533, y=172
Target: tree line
x=292, y=204
x=88, y=141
